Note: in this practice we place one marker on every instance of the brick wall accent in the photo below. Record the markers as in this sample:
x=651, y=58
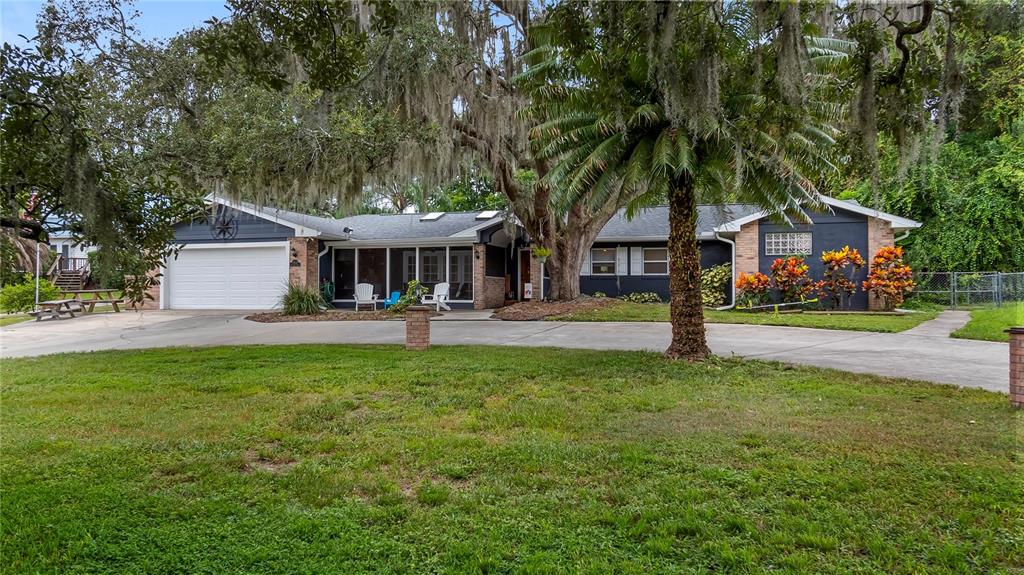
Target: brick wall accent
x=879, y=236
x=536, y=278
x=303, y=265
x=488, y=292
x=417, y=328
x=1017, y=367
x=748, y=246
x=153, y=291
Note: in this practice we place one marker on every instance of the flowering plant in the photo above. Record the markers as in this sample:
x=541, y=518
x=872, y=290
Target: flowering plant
x=841, y=267
x=890, y=279
x=753, y=288
x=791, y=279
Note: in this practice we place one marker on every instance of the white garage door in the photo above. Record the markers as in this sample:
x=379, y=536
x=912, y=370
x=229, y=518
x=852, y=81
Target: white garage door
x=251, y=277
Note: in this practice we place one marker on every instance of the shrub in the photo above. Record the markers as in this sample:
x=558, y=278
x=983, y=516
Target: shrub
x=790, y=277
x=302, y=300
x=753, y=289
x=21, y=297
x=837, y=283
x=599, y=294
x=414, y=290
x=642, y=297
x=103, y=273
x=890, y=279
x=713, y=282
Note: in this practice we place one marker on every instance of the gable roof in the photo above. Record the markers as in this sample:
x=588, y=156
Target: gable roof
x=896, y=222
x=380, y=228
x=397, y=227
x=455, y=227
x=652, y=223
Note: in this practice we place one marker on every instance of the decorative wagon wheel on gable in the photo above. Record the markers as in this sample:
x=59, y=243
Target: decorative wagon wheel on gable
x=224, y=227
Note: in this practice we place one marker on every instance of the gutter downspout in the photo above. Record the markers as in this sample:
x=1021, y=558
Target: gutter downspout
x=902, y=236
x=732, y=282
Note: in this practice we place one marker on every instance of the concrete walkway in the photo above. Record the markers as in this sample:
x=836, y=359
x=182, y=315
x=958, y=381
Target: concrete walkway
x=946, y=323
x=923, y=357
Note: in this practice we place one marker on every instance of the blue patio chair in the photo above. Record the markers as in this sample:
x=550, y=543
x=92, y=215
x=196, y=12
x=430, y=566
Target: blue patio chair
x=392, y=299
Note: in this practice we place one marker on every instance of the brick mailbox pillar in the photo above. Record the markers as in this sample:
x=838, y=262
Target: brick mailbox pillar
x=1016, y=366
x=417, y=328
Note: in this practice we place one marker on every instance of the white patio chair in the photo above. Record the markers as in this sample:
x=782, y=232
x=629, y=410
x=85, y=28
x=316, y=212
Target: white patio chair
x=365, y=296
x=439, y=298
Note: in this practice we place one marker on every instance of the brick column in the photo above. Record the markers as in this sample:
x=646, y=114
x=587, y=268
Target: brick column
x=1016, y=366
x=748, y=246
x=479, y=276
x=879, y=236
x=303, y=267
x=417, y=328
x=536, y=278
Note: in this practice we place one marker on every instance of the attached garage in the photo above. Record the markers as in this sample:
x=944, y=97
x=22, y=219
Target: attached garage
x=227, y=276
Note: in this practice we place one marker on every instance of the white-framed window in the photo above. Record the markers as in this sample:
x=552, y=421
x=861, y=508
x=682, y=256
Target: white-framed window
x=602, y=261
x=655, y=261
x=787, y=243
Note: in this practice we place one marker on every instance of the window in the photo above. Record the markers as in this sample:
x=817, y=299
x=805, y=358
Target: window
x=784, y=244
x=602, y=261
x=460, y=273
x=655, y=261
x=432, y=267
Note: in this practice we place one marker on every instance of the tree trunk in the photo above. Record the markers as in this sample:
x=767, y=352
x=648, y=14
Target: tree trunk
x=686, y=313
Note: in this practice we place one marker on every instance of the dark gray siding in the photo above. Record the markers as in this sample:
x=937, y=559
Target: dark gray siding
x=712, y=253
x=250, y=229
x=829, y=232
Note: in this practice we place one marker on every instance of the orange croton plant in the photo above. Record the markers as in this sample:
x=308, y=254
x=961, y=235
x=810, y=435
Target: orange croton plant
x=753, y=288
x=890, y=278
x=837, y=282
x=791, y=278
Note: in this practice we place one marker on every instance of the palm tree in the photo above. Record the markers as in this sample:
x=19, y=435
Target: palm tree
x=683, y=102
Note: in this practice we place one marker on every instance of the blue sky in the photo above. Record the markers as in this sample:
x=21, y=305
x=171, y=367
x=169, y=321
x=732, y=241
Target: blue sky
x=157, y=18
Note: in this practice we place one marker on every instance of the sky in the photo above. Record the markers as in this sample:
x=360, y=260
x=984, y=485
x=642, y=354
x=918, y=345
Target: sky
x=158, y=19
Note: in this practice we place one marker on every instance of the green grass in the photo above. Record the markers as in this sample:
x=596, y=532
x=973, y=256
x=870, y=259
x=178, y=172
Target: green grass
x=991, y=323
x=14, y=318
x=315, y=459
x=625, y=311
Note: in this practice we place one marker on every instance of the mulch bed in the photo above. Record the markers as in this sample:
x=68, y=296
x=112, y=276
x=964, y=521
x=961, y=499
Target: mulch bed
x=538, y=310
x=335, y=315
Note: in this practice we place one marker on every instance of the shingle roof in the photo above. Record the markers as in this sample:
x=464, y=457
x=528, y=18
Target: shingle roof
x=411, y=226
x=653, y=221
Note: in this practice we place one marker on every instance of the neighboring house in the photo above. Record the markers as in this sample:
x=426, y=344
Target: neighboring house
x=243, y=257
x=73, y=256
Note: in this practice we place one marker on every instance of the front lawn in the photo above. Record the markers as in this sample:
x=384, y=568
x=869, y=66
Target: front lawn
x=626, y=311
x=991, y=323
x=14, y=318
x=340, y=459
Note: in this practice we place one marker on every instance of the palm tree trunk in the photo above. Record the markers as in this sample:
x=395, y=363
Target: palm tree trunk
x=687, y=316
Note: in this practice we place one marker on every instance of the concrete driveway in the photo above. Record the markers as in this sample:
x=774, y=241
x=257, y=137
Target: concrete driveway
x=932, y=357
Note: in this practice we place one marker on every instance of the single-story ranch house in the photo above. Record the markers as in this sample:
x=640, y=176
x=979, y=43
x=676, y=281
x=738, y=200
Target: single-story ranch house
x=243, y=256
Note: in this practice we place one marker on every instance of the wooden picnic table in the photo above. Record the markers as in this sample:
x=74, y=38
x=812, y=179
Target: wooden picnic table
x=54, y=309
x=102, y=295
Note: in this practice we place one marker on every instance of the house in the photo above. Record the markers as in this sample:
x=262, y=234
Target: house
x=73, y=255
x=243, y=256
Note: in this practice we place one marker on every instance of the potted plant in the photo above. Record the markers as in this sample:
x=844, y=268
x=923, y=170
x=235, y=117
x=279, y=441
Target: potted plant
x=541, y=253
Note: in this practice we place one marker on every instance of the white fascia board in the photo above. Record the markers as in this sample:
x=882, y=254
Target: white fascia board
x=234, y=245
x=402, y=243
x=471, y=231
x=896, y=222
x=300, y=230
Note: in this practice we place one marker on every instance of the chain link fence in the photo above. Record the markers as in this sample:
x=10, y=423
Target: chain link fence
x=966, y=289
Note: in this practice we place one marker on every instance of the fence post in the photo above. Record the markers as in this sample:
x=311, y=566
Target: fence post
x=999, y=289
x=952, y=290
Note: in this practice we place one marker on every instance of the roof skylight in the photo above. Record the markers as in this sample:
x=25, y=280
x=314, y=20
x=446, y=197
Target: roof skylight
x=486, y=215
x=431, y=216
